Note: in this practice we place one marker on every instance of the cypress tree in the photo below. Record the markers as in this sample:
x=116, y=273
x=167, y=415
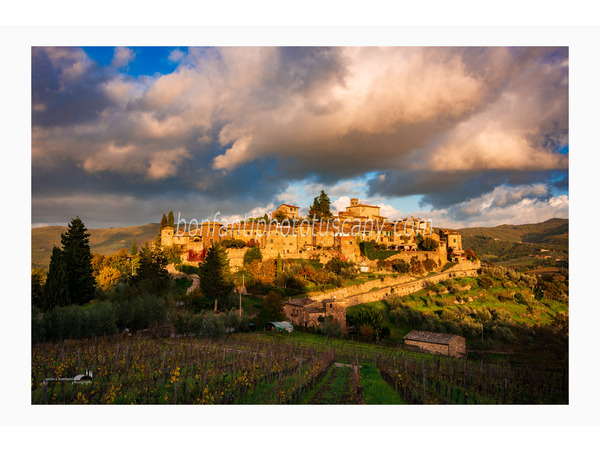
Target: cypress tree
x=78, y=261
x=171, y=220
x=56, y=289
x=133, y=249
x=163, y=222
x=321, y=207
x=151, y=268
x=215, y=275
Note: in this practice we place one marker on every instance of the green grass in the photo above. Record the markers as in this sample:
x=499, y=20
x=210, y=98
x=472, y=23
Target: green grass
x=375, y=390
x=333, y=389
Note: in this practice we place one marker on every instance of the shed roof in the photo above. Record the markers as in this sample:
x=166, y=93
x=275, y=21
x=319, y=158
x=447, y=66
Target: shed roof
x=283, y=326
x=428, y=336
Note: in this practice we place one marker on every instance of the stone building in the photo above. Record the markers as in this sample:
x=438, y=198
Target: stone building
x=305, y=312
x=360, y=210
x=340, y=236
x=452, y=241
x=436, y=343
x=291, y=211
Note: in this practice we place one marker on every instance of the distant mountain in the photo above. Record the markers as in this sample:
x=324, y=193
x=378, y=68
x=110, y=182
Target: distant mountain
x=506, y=242
x=552, y=231
x=102, y=240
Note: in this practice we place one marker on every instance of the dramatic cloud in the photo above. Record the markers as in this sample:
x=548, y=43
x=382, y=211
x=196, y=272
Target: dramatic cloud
x=241, y=127
x=530, y=204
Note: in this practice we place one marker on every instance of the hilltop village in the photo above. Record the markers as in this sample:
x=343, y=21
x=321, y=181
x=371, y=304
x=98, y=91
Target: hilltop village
x=286, y=235
x=290, y=236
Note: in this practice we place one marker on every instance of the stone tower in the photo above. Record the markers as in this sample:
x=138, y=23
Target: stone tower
x=166, y=236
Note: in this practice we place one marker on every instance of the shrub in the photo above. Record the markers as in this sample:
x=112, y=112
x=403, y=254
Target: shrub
x=485, y=282
x=429, y=264
x=233, y=243
x=252, y=254
x=366, y=330
x=337, y=265
x=401, y=266
x=331, y=327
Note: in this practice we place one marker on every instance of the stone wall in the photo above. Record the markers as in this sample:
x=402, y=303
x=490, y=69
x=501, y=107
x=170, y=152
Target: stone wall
x=395, y=289
x=427, y=347
x=457, y=347
x=439, y=256
x=236, y=257
x=361, y=288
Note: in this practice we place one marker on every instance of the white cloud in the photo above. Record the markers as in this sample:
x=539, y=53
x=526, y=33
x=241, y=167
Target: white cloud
x=505, y=205
x=122, y=57
x=389, y=211
x=341, y=203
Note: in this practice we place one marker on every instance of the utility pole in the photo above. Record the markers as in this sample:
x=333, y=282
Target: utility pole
x=240, y=291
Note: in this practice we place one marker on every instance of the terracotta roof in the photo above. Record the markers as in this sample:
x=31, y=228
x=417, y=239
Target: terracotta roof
x=362, y=204
x=447, y=231
x=289, y=206
x=428, y=336
x=315, y=307
x=299, y=301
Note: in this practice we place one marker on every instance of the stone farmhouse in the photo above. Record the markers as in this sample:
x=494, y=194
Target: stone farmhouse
x=305, y=312
x=436, y=343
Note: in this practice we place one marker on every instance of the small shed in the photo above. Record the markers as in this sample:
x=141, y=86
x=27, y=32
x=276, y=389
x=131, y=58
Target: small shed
x=279, y=326
x=436, y=343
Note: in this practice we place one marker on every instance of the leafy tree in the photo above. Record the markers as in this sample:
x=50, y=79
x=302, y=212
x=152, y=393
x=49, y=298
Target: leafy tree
x=279, y=216
x=56, y=289
x=164, y=221
x=427, y=244
x=119, y=261
x=172, y=255
x=263, y=272
x=78, y=261
x=97, y=263
x=321, y=207
x=171, y=220
x=337, y=265
x=273, y=306
x=38, y=278
x=215, y=275
x=133, y=249
x=107, y=277
x=252, y=254
x=151, y=268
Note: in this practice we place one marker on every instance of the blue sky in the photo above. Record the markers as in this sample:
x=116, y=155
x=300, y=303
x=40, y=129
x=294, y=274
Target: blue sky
x=464, y=136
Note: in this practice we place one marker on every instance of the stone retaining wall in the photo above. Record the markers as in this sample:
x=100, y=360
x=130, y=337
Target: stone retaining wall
x=361, y=288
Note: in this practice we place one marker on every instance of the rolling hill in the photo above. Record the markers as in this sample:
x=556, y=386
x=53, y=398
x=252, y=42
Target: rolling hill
x=520, y=244
x=552, y=231
x=102, y=240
